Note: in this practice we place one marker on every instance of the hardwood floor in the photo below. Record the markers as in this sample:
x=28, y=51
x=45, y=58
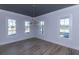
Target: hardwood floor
x=34, y=47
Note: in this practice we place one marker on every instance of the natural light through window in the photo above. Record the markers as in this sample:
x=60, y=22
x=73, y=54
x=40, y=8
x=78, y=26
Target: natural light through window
x=27, y=26
x=64, y=27
x=41, y=26
x=11, y=26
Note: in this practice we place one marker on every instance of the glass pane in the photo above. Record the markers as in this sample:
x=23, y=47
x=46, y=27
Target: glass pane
x=14, y=22
x=41, y=22
x=14, y=32
x=9, y=23
x=62, y=22
x=66, y=21
x=9, y=28
x=9, y=32
x=27, y=23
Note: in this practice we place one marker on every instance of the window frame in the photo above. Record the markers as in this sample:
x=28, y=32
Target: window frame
x=70, y=25
x=13, y=22
x=41, y=25
x=27, y=27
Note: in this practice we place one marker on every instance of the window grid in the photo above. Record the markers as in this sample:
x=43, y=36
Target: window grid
x=41, y=26
x=11, y=26
x=27, y=26
x=64, y=27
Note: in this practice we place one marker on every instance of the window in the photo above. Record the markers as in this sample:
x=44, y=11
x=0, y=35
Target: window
x=27, y=26
x=41, y=26
x=11, y=26
x=64, y=27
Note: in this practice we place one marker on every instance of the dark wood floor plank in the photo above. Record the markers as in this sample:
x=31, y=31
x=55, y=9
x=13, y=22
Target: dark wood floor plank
x=35, y=46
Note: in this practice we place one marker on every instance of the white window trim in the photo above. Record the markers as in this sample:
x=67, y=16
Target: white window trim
x=8, y=27
x=70, y=26
x=27, y=26
x=41, y=26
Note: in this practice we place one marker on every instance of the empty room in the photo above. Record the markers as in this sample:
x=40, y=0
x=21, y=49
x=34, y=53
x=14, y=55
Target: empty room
x=39, y=29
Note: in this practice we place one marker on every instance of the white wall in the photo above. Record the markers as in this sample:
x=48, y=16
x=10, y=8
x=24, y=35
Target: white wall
x=20, y=35
x=51, y=29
